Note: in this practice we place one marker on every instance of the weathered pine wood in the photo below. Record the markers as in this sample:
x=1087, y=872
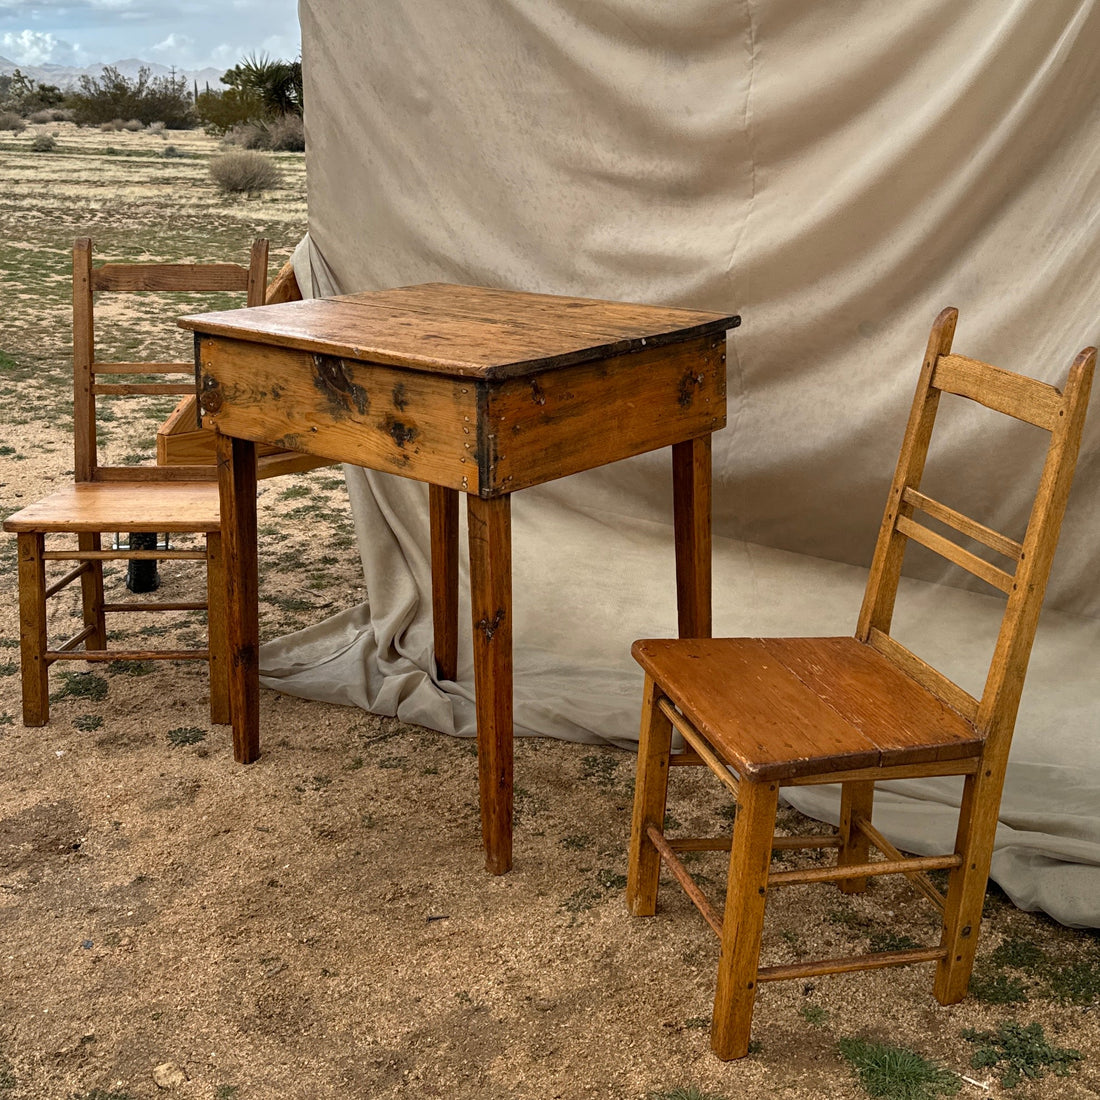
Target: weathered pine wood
x=283, y=288
x=178, y=507
x=170, y=277
x=217, y=629
x=705, y=753
x=743, y=919
x=974, y=565
x=490, y=537
x=137, y=605
x=124, y=555
x=490, y=347
x=691, y=496
x=752, y=700
x=136, y=388
x=1023, y=398
x=78, y=638
x=91, y=592
x=53, y=655
x=724, y=843
x=872, y=961
x=963, y=524
x=32, y=629
x=237, y=482
x=683, y=877
x=84, y=441
x=443, y=522
x=882, y=581
x=143, y=368
x=67, y=579
x=650, y=795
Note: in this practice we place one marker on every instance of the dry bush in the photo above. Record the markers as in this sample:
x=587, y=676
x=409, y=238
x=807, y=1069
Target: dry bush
x=287, y=134
x=158, y=128
x=133, y=125
x=9, y=120
x=245, y=170
x=114, y=124
x=50, y=114
x=43, y=143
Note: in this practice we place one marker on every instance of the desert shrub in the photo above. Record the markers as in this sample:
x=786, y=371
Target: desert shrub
x=112, y=126
x=144, y=99
x=43, y=143
x=171, y=151
x=52, y=114
x=157, y=128
x=287, y=134
x=220, y=112
x=249, y=135
x=133, y=125
x=9, y=120
x=245, y=170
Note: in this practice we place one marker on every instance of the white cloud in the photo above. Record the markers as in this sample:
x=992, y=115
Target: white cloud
x=29, y=47
x=174, y=44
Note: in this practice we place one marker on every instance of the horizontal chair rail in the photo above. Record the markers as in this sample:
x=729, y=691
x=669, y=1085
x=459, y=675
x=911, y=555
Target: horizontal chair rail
x=67, y=579
x=180, y=390
x=963, y=524
x=193, y=606
x=124, y=555
x=170, y=277
x=52, y=655
x=842, y=965
x=964, y=559
x=859, y=870
x=143, y=368
x=1025, y=399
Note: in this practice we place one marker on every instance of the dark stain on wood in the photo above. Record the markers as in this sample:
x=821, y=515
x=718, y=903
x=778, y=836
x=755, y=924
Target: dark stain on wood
x=333, y=379
x=211, y=396
x=490, y=628
x=400, y=432
x=689, y=383
x=537, y=394
x=400, y=397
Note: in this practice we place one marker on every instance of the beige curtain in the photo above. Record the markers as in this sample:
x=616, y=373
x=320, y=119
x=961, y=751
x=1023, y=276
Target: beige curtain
x=836, y=173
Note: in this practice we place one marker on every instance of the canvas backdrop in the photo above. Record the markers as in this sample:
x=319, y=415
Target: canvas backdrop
x=835, y=173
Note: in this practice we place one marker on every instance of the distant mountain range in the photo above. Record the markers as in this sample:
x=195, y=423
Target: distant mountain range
x=65, y=76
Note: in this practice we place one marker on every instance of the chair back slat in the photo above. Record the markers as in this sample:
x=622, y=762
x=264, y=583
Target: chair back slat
x=1025, y=399
x=135, y=278
x=166, y=278
x=1060, y=412
x=963, y=524
x=974, y=565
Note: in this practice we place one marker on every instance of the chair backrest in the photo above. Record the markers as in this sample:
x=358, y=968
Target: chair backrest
x=131, y=278
x=1023, y=580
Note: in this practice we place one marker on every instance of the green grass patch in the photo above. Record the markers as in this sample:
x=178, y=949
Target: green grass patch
x=1020, y=1053
x=130, y=668
x=991, y=988
x=86, y=723
x=895, y=1073
x=814, y=1015
x=602, y=769
x=186, y=735
x=892, y=941
x=81, y=685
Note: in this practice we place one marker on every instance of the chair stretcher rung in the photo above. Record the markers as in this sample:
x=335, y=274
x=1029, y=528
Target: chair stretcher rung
x=859, y=870
x=695, y=739
x=74, y=641
x=680, y=873
x=193, y=606
x=125, y=555
x=52, y=655
x=67, y=579
x=852, y=962
x=920, y=880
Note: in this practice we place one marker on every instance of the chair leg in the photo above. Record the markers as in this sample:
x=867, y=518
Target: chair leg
x=91, y=592
x=743, y=921
x=856, y=800
x=966, y=885
x=32, y=629
x=650, y=795
x=216, y=639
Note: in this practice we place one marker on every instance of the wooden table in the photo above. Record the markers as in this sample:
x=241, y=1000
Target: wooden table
x=474, y=391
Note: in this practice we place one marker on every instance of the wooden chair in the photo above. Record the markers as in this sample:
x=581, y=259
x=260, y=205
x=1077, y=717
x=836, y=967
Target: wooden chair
x=108, y=499
x=855, y=711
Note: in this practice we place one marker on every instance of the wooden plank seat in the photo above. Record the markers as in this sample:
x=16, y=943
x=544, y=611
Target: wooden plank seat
x=176, y=507
x=762, y=713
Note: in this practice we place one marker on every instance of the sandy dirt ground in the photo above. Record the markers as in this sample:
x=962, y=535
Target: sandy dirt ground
x=318, y=924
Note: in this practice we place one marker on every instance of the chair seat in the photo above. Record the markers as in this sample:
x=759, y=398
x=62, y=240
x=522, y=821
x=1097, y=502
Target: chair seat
x=178, y=507
x=783, y=708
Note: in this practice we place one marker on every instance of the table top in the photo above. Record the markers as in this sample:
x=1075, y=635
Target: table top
x=463, y=331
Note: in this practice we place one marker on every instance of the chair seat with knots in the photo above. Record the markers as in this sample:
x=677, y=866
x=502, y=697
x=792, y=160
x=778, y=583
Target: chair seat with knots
x=764, y=713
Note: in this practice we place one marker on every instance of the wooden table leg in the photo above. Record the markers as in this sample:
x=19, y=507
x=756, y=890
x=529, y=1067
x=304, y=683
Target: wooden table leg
x=491, y=601
x=443, y=504
x=237, y=485
x=691, y=518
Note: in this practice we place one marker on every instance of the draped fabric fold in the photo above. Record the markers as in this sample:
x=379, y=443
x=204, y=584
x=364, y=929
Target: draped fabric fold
x=836, y=174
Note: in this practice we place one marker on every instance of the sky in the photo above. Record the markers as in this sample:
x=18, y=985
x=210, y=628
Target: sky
x=190, y=34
